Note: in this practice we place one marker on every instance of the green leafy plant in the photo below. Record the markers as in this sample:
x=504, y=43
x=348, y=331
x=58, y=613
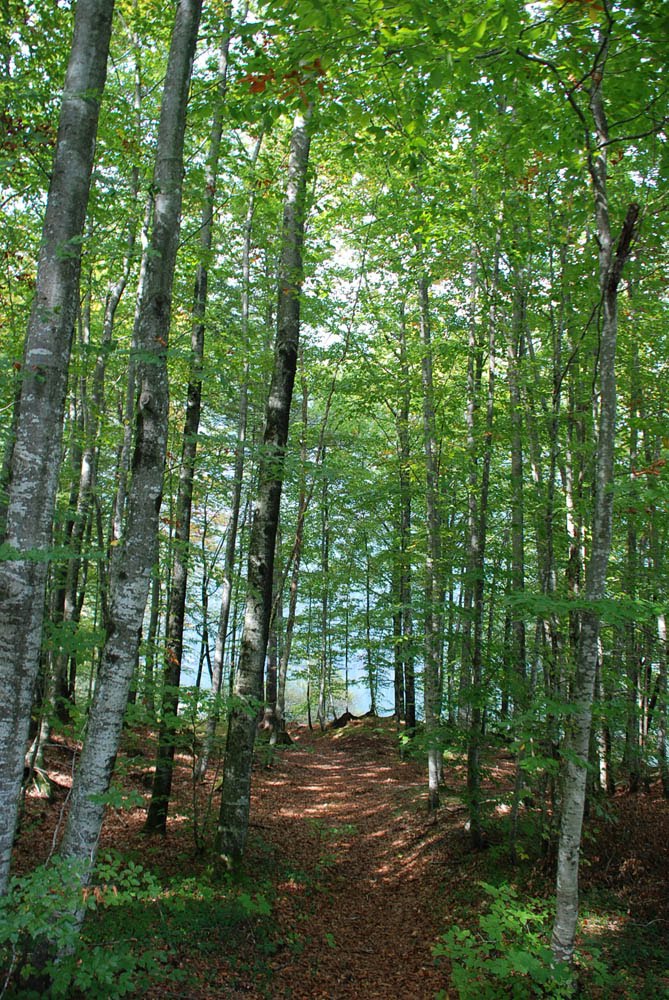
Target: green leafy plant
x=508, y=956
x=41, y=948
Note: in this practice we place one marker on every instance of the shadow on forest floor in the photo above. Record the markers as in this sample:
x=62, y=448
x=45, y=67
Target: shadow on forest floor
x=348, y=882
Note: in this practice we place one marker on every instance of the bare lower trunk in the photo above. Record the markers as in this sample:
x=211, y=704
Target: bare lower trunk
x=662, y=707
x=478, y=528
x=236, y=502
x=236, y=790
x=302, y=506
x=610, y=271
x=405, y=637
x=35, y=462
x=433, y=576
x=156, y=820
x=136, y=555
x=325, y=596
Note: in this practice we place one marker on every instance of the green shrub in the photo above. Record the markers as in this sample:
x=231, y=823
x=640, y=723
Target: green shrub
x=509, y=956
x=43, y=953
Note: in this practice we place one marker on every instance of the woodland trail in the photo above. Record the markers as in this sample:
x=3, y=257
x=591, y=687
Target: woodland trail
x=346, y=820
x=347, y=882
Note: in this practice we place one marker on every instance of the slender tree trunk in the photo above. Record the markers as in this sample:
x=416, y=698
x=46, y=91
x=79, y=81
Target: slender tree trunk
x=662, y=706
x=518, y=652
x=325, y=603
x=629, y=638
x=151, y=660
x=610, y=271
x=35, y=462
x=127, y=409
x=433, y=575
x=302, y=506
x=92, y=410
x=477, y=529
x=236, y=501
x=406, y=664
x=242, y=724
x=136, y=555
x=156, y=820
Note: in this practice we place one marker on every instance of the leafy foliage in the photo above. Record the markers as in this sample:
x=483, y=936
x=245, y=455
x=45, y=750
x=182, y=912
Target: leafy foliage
x=39, y=934
x=509, y=956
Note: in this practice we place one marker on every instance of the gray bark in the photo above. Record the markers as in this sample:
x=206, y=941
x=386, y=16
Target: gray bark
x=662, y=706
x=325, y=604
x=433, y=574
x=405, y=680
x=236, y=502
x=611, y=265
x=235, y=795
x=35, y=462
x=296, y=559
x=479, y=458
x=92, y=409
x=156, y=820
x=135, y=556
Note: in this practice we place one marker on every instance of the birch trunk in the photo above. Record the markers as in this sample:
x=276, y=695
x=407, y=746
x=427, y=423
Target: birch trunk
x=406, y=681
x=325, y=605
x=35, y=462
x=611, y=266
x=236, y=502
x=302, y=506
x=236, y=791
x=135, y=556
x=156, y=820
x=433, y=576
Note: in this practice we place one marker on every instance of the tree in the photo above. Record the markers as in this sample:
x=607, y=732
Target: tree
x=612, y=260
x=35, y=461
x=156, y=820
x=135, y=556
x=242, y=722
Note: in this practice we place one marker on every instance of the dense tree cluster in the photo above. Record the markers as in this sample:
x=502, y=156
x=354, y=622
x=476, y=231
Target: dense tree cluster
x=440, y=231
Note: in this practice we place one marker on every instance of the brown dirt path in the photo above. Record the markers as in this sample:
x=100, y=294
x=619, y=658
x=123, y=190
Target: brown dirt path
x=361, y=880
x=360, y=877
x=363, y=863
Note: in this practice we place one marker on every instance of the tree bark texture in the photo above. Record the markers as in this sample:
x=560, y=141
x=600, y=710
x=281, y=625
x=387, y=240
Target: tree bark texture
x=610, y=271
x=156, y=820
x=136, y=554
x=237, y=482
x=405, y=683
x=433, y=577
x=235, y=795
x=35, y=462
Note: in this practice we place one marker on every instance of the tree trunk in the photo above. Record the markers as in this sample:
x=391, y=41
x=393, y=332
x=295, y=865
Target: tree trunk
x=517, y=645
x=477, y=532
x=136, y=555
x=236, y=502
x=35, y=461
x=302, y=506
x=406, y=659
x=629, y=639
x=236, y=790
x=325, y=606
x=156, y=820
x=433, y=575
x=610, y=271
x=662, y=706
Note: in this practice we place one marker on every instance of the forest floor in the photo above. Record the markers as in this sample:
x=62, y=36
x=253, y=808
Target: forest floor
x=348, y=882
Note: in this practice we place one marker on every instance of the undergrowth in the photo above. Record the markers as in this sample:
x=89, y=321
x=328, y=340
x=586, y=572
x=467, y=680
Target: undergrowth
x=138, y=929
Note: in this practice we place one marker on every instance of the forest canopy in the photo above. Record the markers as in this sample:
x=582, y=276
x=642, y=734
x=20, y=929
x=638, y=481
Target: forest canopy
x=333, y=344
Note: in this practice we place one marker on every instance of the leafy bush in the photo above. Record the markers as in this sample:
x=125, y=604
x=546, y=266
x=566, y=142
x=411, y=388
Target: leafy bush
x=509, y=957
x=41, y=948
